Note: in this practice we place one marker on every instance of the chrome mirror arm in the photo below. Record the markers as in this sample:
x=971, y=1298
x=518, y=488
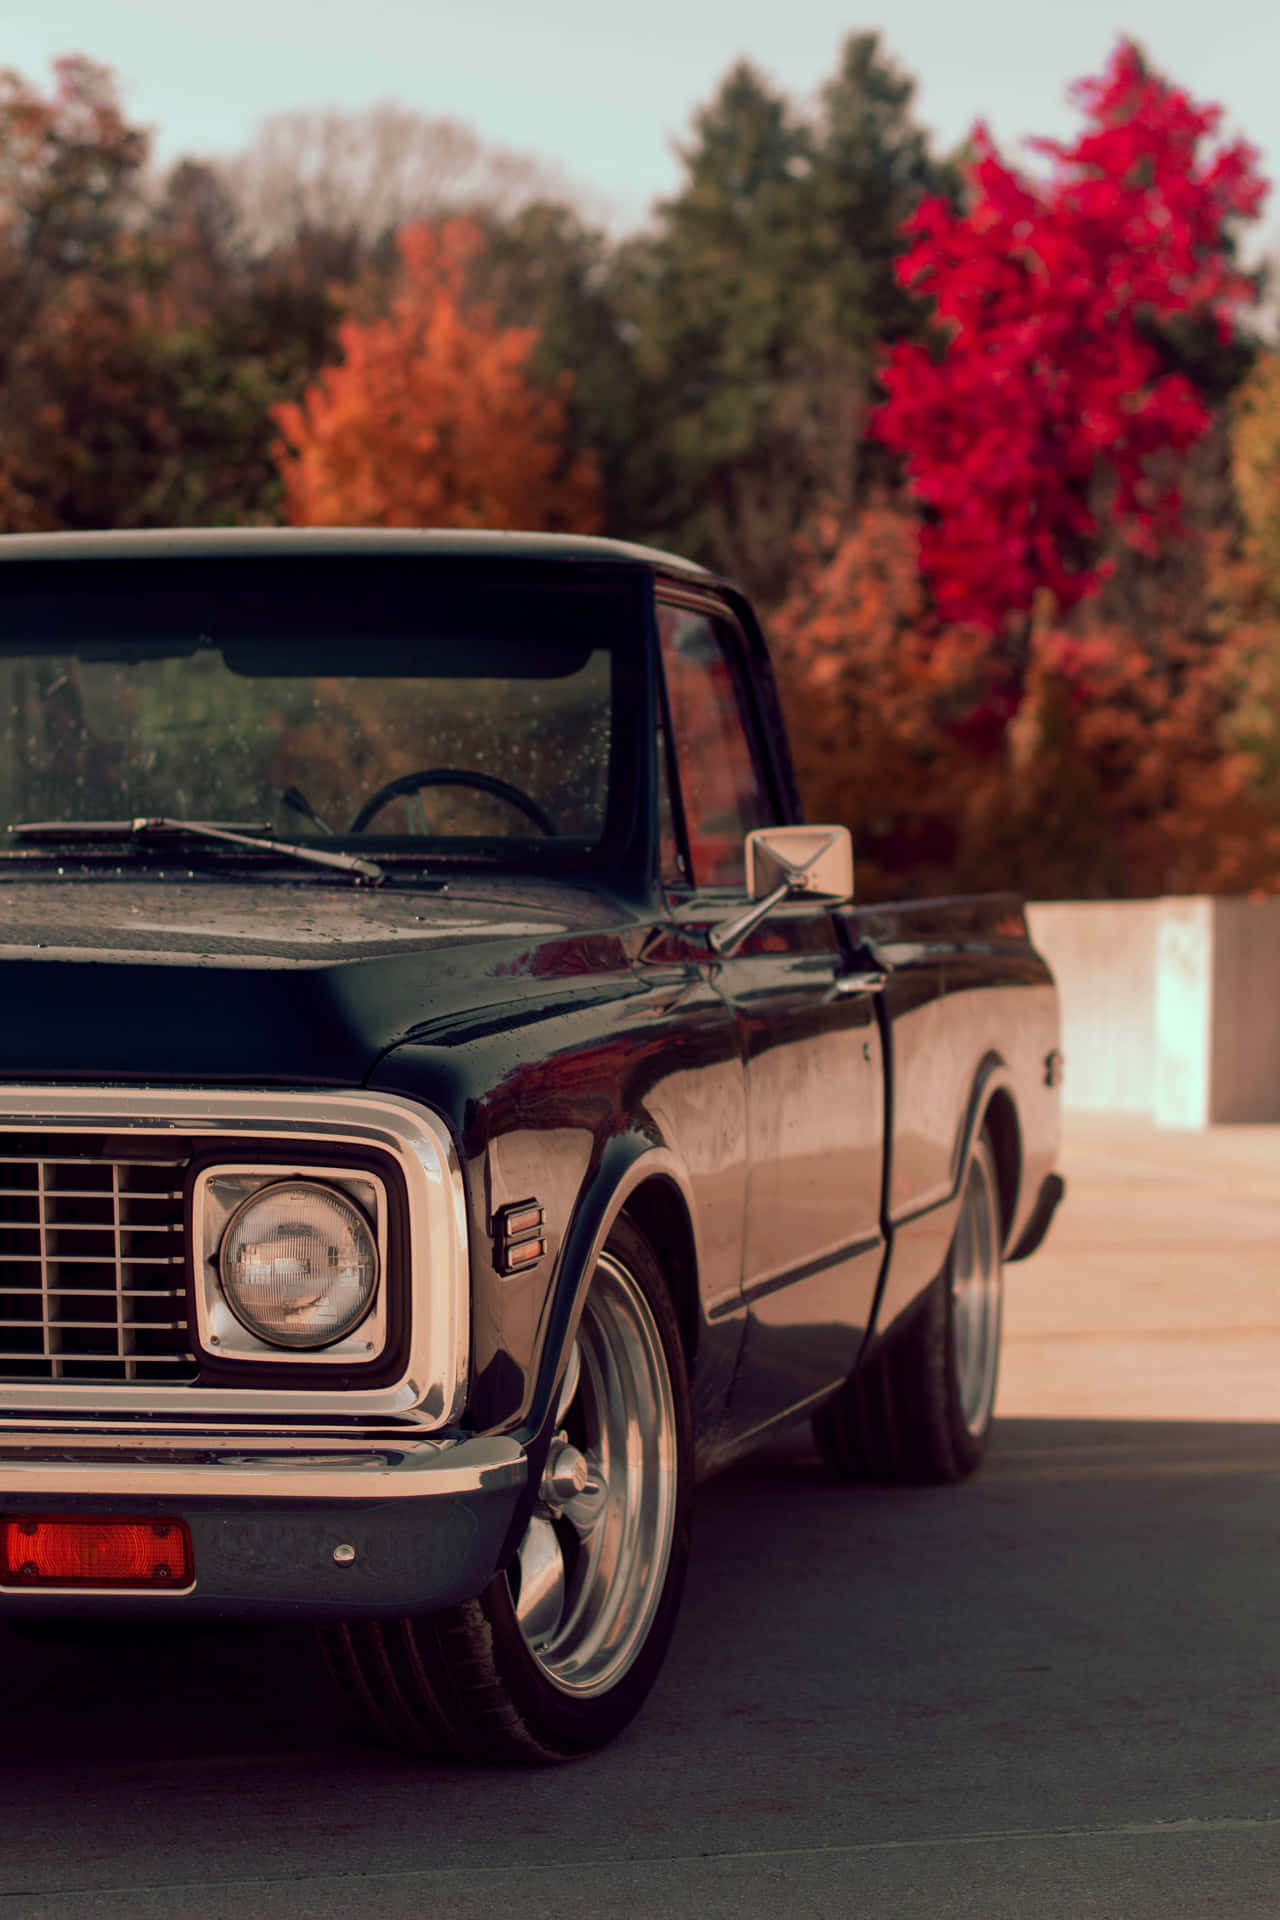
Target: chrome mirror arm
x=731, y=933
x=773, y=847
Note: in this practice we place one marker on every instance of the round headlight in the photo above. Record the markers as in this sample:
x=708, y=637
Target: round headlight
x=298, y=1264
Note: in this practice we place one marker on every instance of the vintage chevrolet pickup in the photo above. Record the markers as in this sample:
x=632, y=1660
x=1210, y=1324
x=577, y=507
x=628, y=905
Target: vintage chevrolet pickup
x=448, y=1099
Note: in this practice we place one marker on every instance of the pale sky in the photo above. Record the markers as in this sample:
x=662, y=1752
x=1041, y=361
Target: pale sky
x=605, y=91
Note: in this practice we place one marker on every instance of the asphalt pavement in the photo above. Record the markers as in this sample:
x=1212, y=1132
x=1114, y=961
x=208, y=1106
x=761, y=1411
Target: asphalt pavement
x=1047, y=1694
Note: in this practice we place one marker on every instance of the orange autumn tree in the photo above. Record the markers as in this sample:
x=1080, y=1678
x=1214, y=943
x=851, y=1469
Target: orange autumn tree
x=1121, y=772
x=1246, y=573
x=889, y=713
x=1255, y=469
x=434, y=416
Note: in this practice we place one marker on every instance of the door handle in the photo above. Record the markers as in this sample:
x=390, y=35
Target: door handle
x=860, y=983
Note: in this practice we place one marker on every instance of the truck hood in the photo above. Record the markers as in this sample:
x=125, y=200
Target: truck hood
x=133, y=979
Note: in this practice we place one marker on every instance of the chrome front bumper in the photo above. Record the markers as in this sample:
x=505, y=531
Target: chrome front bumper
x=422, y=1523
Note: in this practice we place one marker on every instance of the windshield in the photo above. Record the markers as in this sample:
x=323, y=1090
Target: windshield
x=410, y=711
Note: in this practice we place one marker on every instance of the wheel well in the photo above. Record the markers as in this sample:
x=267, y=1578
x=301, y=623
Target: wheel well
x=1001, y=1122
x=658, y=1209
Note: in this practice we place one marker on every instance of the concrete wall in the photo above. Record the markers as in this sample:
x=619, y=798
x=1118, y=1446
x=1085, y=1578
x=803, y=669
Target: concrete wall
x=1245, y=1058
x=1169, y=1007
x=1103, y=953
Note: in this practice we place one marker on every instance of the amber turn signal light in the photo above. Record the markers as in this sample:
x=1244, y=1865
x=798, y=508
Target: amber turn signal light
x=52, y=1551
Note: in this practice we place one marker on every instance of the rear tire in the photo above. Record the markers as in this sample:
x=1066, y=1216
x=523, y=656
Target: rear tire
x=920, y=1409
x=561, y=1649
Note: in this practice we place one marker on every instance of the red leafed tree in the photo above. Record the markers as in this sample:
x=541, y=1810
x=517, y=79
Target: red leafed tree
x=1048, y=393
x=434, y=418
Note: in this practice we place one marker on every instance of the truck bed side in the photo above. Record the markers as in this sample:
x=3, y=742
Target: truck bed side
x=970, y=1031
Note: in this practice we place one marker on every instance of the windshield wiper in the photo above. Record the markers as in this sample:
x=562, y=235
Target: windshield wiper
x=161, y=828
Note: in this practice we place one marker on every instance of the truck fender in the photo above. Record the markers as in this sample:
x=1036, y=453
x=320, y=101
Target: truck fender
x=629, y=1159
x=991, y=1097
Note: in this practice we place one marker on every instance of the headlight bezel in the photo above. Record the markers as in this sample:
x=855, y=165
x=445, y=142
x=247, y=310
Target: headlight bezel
x=358, y=1226
x=219, y=1190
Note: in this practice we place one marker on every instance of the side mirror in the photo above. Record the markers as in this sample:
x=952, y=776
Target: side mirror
x=812, y=860
x=786, y=862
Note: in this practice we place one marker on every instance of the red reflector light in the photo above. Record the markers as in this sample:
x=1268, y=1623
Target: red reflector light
x=55, y=1552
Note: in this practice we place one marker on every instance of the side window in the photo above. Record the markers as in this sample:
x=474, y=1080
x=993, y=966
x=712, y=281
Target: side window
x=719, y=784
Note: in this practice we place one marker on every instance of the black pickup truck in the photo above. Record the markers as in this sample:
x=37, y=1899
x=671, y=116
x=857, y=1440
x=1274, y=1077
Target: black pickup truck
x=448, y=1099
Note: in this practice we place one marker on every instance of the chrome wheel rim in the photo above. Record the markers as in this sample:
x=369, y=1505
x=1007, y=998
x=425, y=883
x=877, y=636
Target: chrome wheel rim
x=976, y=1294
x=589, y=1574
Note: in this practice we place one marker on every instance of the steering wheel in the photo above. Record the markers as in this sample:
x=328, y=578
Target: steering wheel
x=452, y=777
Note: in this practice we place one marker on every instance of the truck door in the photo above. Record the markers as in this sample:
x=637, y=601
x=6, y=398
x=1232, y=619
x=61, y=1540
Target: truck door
x=812, y=1245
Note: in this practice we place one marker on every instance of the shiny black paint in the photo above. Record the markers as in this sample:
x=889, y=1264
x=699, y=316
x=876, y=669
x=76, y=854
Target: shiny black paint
x=284, y=982
x=813, y=1243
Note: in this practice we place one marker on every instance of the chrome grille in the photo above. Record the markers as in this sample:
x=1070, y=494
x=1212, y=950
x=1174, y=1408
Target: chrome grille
x=92, y=1277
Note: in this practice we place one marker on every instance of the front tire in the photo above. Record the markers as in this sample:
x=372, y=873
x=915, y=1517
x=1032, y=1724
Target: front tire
x=921, y=1408
x=561, y=1649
